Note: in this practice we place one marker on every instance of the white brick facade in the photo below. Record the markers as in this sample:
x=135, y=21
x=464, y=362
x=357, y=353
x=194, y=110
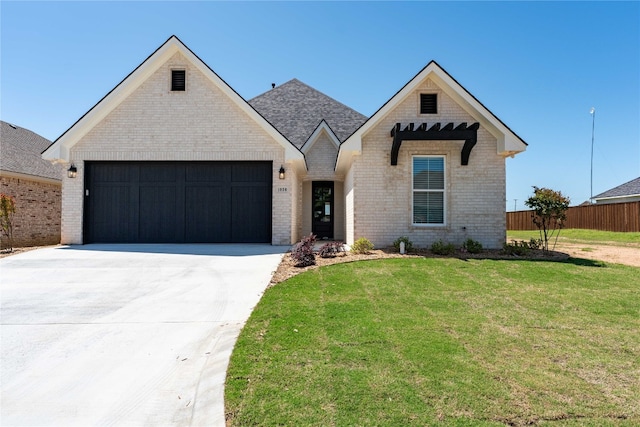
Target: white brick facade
x=156, y=124
x=382, y=194
x=144, y=120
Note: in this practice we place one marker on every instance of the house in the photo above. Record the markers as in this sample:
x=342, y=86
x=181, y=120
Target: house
x=174, y=154
x=34, y=183
x=627, y=192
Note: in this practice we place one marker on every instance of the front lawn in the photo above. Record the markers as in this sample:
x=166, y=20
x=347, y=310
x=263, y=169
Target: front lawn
x=418, y=341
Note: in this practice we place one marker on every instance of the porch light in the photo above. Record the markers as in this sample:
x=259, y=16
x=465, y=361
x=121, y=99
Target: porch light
x=72, y=172
x=281, y=173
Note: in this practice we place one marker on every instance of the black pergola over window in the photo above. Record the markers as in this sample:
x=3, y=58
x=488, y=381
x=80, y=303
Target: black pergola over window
x=462, y=132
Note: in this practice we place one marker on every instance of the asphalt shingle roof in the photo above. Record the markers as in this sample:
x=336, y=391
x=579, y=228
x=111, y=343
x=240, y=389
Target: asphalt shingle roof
x=20, y=151
x=627, y=189
x=296, y=109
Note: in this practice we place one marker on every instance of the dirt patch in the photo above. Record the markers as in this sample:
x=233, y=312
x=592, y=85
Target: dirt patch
x=627, y=255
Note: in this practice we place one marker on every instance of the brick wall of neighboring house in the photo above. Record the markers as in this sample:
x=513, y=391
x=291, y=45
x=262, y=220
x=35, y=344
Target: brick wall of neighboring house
x=321, y=159
x=382, y=194
x=37, y=218
x=199, y=124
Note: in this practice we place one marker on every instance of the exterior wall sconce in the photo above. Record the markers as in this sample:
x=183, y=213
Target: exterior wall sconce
x=281, y=173
x=72, y=172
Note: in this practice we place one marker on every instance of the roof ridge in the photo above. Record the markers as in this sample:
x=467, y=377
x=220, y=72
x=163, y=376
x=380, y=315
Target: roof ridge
x=296, y=80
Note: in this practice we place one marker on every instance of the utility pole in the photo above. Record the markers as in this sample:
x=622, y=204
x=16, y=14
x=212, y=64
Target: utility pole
x=593, y=127
x=515, y=203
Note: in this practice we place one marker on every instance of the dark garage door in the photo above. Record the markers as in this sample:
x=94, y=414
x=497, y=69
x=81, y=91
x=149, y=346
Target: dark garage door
x=178, y=202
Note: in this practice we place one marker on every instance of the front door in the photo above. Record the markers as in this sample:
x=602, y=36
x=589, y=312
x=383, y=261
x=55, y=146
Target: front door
x=322, y=209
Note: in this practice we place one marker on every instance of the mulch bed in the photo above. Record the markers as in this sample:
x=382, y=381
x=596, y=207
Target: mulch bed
x=287, y=268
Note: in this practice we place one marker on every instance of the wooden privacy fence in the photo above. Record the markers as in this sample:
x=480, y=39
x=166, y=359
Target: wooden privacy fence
x=611, y=217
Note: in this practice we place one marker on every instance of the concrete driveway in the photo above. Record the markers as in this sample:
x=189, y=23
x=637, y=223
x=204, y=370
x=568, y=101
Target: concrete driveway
x=124, y=334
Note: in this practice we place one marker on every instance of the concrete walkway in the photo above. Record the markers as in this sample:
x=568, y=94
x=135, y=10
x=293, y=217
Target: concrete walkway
x=124, y=334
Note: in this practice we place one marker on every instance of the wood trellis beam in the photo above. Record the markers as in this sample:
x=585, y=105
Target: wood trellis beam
x=462, y=132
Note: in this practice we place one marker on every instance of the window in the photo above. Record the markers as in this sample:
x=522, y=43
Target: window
x=428, y=190
x=178, y=80
x=428, y=103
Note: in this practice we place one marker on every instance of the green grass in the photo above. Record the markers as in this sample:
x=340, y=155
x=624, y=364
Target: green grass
x=576, y=235
x=415, y=342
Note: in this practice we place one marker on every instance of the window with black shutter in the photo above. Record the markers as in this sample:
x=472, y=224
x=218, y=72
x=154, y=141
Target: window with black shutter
x=428, y=103
x=178, y=80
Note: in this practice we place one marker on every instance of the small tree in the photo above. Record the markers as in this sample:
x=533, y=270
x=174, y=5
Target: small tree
x=7, y=210
x=549, y=211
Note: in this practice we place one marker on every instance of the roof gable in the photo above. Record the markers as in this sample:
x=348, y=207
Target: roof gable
x=295, y=109
x=323, y=127
x=61, y=147
x=21, y=150
x=509, y=143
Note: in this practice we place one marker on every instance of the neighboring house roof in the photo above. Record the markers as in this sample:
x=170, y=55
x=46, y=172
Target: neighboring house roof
x=296, y=110
x=20, y=154
x=628, y=189
x=60, y=149
x=509, y=144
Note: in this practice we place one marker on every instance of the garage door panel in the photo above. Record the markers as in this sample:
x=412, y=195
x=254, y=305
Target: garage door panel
x=159, y=211
x=158, y=172
x=111, y=225
x=214, y=172
x=114, y=172
x=208, y=214
x=251, y=172
x=166, y=202
x=251, y=221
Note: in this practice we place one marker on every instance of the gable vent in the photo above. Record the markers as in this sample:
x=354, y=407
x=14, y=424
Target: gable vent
x=428, y=103
x=178, y=80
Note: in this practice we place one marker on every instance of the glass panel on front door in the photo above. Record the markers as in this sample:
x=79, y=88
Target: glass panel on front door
x=322, y=209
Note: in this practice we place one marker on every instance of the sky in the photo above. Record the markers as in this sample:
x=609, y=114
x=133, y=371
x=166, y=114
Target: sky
x=538, y=66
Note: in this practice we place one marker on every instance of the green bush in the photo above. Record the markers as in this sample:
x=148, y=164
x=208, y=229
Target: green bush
x=516, y=247
x=472, y=246
x=361, y=246
x=536, y=243
x=408, y=244
x=441, y=248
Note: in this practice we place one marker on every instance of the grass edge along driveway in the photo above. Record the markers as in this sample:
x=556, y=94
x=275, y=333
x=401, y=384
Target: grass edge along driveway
x=424, y=341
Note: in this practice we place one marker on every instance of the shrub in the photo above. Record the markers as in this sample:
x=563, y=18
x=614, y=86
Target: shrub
x=302, y=252
x=535, y=243
x=331, y=249
x=549, y=211
x=441, y=248
x=472, y=246
x=361, y=246
x=408, y=244
x=519, y=248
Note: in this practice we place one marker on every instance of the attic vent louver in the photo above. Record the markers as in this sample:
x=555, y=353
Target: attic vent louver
x=178, y=80
x=428, y=103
